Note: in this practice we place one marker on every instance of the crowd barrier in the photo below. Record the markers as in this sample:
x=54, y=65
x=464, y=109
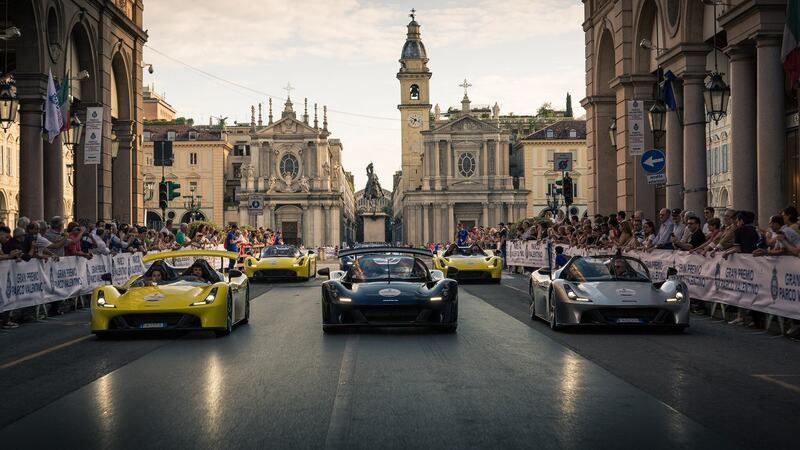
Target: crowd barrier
x=770, y=284
x=36, y=282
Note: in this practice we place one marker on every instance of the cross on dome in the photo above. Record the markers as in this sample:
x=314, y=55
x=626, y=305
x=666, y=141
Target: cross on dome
x=465, y=85
x=288, y=90
x=413, y=14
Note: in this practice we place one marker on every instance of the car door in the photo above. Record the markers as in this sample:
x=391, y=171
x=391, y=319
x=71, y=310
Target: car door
x=239, y=293
x=541, y=289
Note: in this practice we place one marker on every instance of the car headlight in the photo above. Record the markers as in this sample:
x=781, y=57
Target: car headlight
x=208, y=300
x=436, y=299
x=345, y=300
x=101, y=301
x=573, y=296
x=678, y=298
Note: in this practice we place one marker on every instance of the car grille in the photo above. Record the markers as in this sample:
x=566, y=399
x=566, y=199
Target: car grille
x=275, y=273
x=473, y=275
x=655, y=316
x=172, y=320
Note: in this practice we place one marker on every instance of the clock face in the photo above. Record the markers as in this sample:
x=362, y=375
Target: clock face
x=415, y=120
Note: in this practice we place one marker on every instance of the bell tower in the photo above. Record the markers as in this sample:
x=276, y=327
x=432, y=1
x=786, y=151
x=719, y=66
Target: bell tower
x=414, y=106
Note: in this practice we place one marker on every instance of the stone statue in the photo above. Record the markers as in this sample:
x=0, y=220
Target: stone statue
x=272, y=184
x=373, y=191
x=303, y=183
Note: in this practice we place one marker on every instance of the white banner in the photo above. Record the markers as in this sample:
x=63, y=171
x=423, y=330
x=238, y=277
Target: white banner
x=635, y=127
x=766, y=284
x=93, y=144
x=34, y=282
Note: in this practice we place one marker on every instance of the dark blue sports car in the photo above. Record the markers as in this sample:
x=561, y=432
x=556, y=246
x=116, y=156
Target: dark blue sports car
x=388, y=287
x=346, y=261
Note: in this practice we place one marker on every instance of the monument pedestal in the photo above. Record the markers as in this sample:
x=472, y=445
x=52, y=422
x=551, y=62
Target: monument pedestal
x=374, y=226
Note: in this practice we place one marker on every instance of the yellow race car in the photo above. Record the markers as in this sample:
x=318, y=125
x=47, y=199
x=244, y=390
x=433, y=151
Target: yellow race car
x=168, y=298
x=472, y=262
x=281, y=261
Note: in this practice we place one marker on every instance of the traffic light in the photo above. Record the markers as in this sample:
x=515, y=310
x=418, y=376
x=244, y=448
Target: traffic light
x=162, y=194
x=568, y=189
x=558, y=188
x=173, y=190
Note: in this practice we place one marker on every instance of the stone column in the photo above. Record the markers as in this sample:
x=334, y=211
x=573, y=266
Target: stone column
x=485, y=217
x=437, y=171
x=31, y=169
x=694, y=143
x=54, y=179
x=743, y=123
x=426, y=173
x=451, y=220
x=122, y=172
x=425, y=224
x=484, y=162
x=771, y=132
x=449, y=150
x=674, y=155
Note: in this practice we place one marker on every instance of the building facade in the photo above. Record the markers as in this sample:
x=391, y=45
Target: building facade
x=629, y=43
x=66, y=37
x=199, y=157
x=537, y=150
x=297, y=168
x=156, y=106
x=454, y=169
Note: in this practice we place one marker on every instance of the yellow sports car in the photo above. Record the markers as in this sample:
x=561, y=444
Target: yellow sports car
x=169, y=298
x=473, y=263
x=281, y=261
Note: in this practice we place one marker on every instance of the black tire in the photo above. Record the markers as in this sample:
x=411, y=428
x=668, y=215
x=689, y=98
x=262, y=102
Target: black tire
x=228, y=321
x=552, y=307
x=497, y=280
x=449, y=328
x=532, y=306
x=247, y=306
x=330, y=329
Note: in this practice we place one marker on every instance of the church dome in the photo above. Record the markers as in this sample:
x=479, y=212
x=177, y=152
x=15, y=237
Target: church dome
x=413, y=48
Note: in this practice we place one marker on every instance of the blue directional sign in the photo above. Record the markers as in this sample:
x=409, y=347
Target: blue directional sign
x=653, y=161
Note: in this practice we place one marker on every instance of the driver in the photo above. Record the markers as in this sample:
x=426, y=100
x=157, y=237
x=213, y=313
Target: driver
x=157, y=276
x=371, y=268
x=621, y=269
x=198, y=271
x=476, y=250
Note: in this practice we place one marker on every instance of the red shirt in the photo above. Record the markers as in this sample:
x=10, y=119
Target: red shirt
x=74, y=245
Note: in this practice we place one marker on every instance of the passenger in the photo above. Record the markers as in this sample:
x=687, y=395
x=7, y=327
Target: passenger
x=622, y=269
x=157, y=276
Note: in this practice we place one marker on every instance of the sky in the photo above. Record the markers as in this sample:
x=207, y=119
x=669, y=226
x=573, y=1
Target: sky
x=344, y=54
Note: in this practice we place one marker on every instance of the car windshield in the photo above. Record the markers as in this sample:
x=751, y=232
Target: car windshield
x=279, y=250
x=605, y=269
x=368, y=268
x=181, y=280
x=464, y=252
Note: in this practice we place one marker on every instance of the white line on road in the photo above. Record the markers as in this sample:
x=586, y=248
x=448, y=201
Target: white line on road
x=339, y=425
x=44, y=352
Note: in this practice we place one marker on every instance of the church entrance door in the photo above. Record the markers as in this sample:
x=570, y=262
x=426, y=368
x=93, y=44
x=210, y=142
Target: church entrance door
x=468, y=224
x=289, y=230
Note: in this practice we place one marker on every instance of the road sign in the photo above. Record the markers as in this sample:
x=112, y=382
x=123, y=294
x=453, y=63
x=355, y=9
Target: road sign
x=635, y=127
x=562, y=162
x=653, y=161
x=256, y=203
x=659, y=178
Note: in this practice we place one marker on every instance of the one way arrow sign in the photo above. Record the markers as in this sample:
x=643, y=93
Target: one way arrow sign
x=653, y=161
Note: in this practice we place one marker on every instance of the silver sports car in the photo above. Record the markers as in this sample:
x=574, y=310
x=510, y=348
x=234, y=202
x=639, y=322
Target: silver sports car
x=607, y=290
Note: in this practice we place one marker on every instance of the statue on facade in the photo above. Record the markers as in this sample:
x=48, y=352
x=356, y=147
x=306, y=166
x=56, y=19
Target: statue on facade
x=304, y=184
x=272, y=183
x=373, y=191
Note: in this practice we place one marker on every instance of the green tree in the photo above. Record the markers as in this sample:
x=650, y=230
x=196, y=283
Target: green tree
x=546, y=110
x=568, y=113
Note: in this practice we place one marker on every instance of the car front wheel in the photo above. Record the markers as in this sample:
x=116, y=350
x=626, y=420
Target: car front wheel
x=228, y=319
x=553, y=313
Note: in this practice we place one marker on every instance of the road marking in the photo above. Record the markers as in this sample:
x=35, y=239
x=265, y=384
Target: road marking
x=44, y=352
x=339, y=425
x=773, y=379
x=517, y=289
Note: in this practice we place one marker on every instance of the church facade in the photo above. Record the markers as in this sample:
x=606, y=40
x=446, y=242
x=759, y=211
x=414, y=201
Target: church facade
x=297, y=168
x=454, y=169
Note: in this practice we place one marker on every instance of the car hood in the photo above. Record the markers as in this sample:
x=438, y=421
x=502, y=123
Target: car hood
x=158, y=297
x=277, y=262
x=468, y=262
x=620, y=292
x=390, y=292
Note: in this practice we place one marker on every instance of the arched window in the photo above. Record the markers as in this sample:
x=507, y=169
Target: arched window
x=414, y=92
x=466, y=165
x=289, y=166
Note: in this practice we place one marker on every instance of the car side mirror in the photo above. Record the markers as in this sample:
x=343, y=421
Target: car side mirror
x=106, y=277
x=234, y=273
x=544, y=271
x=452, y=272
x=324, y=272
x=671, y=272
x=437, y=275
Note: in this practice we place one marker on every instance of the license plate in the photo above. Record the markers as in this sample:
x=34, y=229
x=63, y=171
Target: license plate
x=628, y=320
x=153, y=325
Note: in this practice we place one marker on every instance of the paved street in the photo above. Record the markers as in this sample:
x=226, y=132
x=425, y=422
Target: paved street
x=502, y=381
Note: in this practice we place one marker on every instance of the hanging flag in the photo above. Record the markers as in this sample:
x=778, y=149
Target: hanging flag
x=63, y=101
x=54, y=120
x=790, y=52
x=667, y=92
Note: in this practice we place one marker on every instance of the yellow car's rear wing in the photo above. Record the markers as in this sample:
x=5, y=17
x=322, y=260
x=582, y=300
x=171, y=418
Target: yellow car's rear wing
x=179, y=253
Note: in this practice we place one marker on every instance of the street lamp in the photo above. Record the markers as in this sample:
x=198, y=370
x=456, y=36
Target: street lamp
x=9, y=102
x=612, y=133
x=657, y=114
x=717, y=92
x=72, y=136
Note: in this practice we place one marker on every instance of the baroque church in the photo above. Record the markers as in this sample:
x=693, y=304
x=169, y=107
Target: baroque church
x=454, y=169
x=297, y=168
